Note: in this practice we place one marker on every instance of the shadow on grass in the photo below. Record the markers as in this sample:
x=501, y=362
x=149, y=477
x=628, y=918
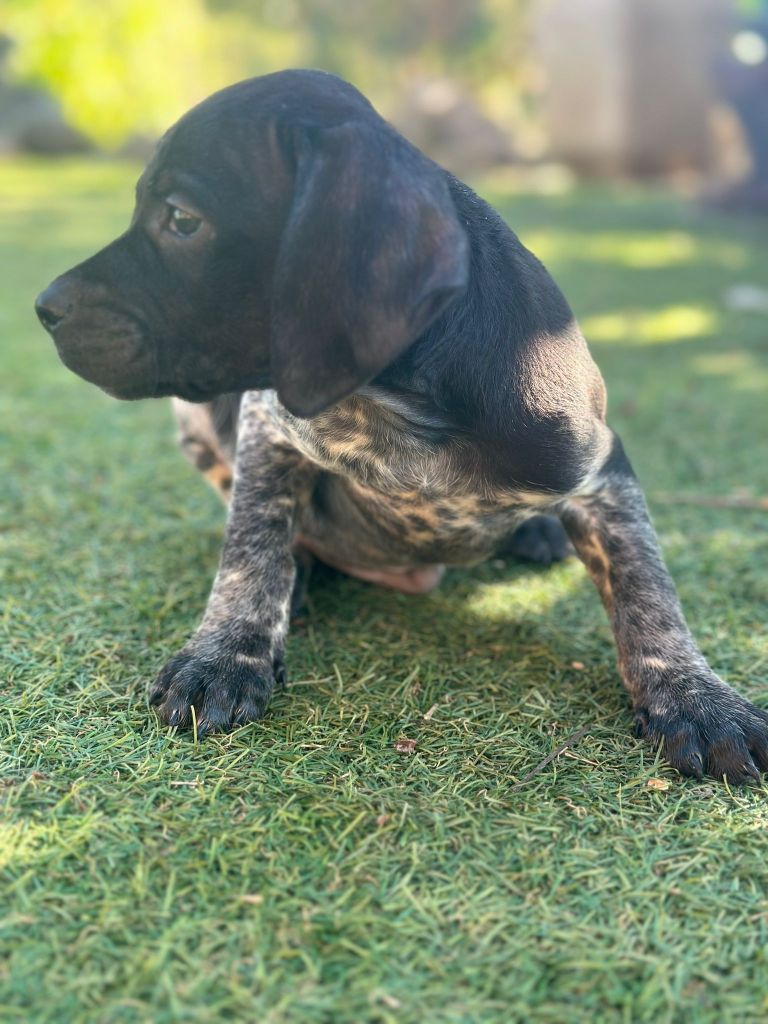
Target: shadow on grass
x=502, y=629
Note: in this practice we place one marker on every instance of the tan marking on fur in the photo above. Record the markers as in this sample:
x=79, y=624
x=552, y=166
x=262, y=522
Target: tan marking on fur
x=462, y=505
x=425, y=511
x=466, y=510
x=592, y=551
x=657, y=663
x=531, y=499
x=415, y=499
x=197, y=436
x=346, y=447
x=220, y=478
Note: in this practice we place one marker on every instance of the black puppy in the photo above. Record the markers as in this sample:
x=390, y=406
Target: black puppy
x=432, y=393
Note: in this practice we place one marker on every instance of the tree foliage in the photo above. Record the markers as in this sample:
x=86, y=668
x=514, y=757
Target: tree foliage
x=122, y=66
x=125, y=66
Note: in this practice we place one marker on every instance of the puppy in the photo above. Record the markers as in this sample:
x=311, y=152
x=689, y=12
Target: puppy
x=393, y=383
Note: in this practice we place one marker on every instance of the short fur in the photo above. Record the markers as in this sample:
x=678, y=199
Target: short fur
x=393, y=382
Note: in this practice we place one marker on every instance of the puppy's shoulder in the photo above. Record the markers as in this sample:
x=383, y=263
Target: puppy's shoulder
x=508, y=361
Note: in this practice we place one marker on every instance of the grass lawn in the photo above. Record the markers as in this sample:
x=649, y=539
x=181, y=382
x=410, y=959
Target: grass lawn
x=302, y=869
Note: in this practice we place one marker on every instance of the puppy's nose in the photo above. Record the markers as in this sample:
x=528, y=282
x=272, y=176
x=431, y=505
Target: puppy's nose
x=52, y=306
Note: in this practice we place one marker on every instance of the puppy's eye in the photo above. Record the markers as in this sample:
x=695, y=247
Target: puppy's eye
x=181, y=222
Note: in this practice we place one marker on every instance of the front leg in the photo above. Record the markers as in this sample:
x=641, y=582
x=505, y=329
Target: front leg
x=705, y=725
x=228, y=669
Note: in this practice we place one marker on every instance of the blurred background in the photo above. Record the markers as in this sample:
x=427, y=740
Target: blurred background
x=608, y=88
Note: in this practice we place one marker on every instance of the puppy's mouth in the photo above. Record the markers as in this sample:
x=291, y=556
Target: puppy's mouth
x=192, y=391
x=188, y=391
x=116, y=357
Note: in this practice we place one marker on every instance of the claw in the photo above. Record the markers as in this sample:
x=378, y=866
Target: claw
x=281, y=675
x=177, y=716
x=691, y=765
x=248, y=711
x=240, y=716
x=748, y=771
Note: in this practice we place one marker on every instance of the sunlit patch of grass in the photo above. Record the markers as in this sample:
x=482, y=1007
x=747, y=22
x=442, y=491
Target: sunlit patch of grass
x=744, y=370
x=534, y=593
x=640, y=327
x=635, y=249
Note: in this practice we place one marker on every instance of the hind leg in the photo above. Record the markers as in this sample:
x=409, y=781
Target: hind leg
x=539, y=539
x=201, y=444
x=704, y=725
x=305, y=562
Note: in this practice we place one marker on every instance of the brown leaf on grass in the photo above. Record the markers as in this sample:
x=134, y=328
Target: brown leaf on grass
x=383, y=819
x=405, y=746
x=578, y=665
x=659, y=784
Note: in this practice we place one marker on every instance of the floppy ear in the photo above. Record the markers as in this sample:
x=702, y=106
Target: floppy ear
x=371, y=253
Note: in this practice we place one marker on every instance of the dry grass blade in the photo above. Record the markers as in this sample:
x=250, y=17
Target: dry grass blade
x=571, y=741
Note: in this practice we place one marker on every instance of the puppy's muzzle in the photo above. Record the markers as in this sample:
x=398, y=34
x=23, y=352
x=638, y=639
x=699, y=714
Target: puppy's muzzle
x=101, y=343
x=53, y=305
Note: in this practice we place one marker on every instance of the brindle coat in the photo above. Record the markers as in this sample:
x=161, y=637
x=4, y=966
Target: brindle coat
x=381, y=375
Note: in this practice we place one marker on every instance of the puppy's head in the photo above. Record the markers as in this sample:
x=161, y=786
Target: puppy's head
x=284, y=236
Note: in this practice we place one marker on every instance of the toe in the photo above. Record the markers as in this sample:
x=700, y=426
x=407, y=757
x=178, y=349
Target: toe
x=249, y=709
x=642, y=721
x=682, y=749
x=728, y=757
x=176, y=715
x=758, y=748
x=689, y=762
x=280, y=673
x=756, y=733
x=214, y=718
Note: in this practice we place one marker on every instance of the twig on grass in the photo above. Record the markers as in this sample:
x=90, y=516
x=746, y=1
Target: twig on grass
x=569, y=742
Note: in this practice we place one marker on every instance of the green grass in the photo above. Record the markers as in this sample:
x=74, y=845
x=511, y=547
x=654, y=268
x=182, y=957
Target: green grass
x=301, y=869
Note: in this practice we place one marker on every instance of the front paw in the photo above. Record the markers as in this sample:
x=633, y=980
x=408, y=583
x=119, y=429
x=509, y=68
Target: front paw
x=709, y=730
x=226, y=690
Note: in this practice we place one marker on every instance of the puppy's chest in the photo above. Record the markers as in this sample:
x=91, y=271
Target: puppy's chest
x=409, y=475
